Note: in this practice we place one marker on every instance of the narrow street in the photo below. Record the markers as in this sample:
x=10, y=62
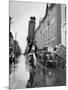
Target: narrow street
x=19, y=78
x=43, y=76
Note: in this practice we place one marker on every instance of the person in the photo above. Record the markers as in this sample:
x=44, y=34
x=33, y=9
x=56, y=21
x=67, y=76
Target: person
x=32, y=54
x=31, y=78
x=28, y=48
x=32, y=71
x=31, y=61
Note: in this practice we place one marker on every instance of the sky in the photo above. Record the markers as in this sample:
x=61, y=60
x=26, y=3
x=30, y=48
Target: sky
x=21, y=11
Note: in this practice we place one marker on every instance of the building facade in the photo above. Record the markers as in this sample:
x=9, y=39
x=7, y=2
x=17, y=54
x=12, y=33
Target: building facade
x=50, y=31
x=63, y=25
x=31, y=28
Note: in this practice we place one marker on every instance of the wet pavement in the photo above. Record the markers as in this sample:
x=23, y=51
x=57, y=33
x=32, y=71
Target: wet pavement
x=49, y=77
x=19, y=77
x=43, y=76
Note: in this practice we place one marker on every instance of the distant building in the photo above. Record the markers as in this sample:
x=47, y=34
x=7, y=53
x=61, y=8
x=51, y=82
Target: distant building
x=52, y=28
x=31, y=29
x=10, y=34
x=10, y=40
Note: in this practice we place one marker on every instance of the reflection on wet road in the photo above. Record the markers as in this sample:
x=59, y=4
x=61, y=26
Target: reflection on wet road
x=20, y=77
x=43, y=76
x=49, y=76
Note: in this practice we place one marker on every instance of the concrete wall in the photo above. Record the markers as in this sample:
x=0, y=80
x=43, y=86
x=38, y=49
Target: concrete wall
x=47, y=32
x=52, y=27
x=58, y=30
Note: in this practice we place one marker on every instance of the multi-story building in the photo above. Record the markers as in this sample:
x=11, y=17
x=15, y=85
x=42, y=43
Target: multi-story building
x=51, y=30
x=31, y=28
